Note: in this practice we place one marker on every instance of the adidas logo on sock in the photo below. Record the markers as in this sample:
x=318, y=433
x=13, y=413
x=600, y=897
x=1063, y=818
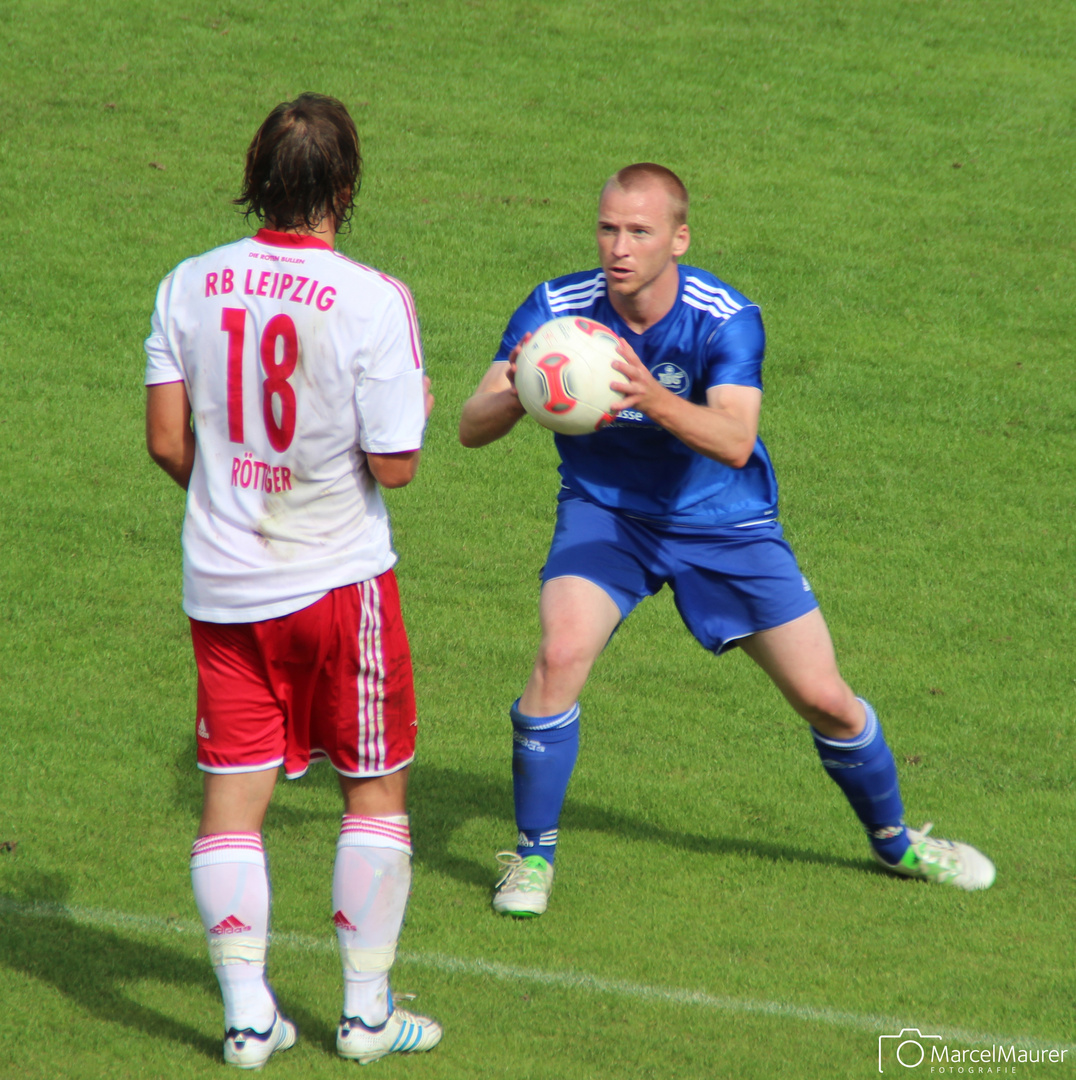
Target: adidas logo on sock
x=888, y=832
x=340, y=921
x=528, y=744
x=230, y=925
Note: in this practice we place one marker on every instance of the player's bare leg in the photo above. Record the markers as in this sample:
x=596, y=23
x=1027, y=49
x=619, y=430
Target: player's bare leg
x=371, y=882
x=799, y=657
x=236, y=802
x=578, y=619
x=231, y=889
x=375, y=796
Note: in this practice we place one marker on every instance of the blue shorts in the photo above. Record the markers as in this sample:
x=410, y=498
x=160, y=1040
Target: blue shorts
x=728, y=582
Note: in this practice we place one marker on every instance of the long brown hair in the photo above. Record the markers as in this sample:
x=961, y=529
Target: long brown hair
x=303, y=163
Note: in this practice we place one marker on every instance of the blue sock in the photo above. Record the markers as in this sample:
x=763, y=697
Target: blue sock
x=544, y=753
x=864, y=769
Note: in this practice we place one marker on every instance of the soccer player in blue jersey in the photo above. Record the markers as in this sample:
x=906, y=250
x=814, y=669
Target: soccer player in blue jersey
x=678, y=490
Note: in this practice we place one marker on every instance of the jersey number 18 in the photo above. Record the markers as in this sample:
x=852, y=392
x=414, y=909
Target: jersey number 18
x=233, y=322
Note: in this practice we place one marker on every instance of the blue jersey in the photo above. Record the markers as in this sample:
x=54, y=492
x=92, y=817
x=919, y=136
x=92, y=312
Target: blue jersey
x=712, y=336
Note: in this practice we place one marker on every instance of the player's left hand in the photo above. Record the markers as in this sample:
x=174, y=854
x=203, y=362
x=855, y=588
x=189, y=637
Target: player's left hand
x=640, y=388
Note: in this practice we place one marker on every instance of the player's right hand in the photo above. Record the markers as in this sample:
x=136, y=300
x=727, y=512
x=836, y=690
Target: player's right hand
x=513, y=356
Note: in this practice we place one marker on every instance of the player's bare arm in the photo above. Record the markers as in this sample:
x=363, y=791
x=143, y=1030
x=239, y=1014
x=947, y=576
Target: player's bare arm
x=725, y=428
x=169, y=438
x=394, y=470
x=494, y=408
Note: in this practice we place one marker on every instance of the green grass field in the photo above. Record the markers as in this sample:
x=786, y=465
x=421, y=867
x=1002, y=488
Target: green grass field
x=893, y=183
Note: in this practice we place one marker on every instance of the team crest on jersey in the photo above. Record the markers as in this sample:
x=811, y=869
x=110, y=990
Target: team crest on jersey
x=672, y=378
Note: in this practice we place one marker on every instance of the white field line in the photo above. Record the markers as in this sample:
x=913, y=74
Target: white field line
x=571, y=980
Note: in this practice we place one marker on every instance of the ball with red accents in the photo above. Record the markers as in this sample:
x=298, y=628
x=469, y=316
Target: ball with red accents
x=563, y=375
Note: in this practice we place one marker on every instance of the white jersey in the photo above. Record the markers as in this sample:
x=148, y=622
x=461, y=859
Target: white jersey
x=297, y=362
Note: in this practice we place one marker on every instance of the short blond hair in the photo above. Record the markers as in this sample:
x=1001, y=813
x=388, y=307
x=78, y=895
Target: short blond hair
x=644, y=173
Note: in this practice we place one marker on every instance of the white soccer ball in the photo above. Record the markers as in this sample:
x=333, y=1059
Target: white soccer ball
x=563, y=375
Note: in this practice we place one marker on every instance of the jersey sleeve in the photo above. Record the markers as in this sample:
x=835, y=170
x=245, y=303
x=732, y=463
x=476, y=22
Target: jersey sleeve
x=532, y=313
x=162, y=366
x=735, y=350
x=389, y=393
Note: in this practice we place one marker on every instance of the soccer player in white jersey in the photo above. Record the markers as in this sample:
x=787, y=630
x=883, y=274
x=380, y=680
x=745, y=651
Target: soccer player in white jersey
x=285, y=384
x=678, y=490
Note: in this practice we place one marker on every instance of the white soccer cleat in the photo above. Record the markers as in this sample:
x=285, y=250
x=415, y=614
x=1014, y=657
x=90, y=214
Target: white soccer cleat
x=947, y=862
x=524, y=888
x=250, y=1049
x=402, y=1033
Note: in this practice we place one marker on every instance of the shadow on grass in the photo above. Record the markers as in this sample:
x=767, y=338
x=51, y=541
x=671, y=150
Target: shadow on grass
x=92, y=966
x=442, y=800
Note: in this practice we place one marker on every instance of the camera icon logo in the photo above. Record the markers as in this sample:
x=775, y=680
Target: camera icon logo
x=905, y=1049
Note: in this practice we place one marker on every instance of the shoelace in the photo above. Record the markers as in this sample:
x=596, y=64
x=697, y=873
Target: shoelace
x=516, y=873
x=934, y=852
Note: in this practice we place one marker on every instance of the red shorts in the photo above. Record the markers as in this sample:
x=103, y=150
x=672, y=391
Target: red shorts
x=332, y=680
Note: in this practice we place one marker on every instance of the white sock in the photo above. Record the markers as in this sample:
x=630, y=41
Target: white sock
x=231, y=889
x=371, y=882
